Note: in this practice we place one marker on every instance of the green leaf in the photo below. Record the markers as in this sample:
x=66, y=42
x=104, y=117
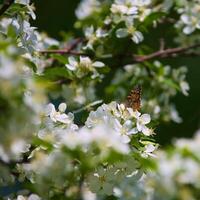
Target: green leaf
x=62, y=59
x=104, y=70
x=57, y=72
x=152, y=17
x=172, y=84
x=39, y=142
x=32, y=65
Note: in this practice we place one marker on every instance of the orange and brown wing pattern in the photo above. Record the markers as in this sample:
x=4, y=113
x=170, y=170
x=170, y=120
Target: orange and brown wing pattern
x=134, y=98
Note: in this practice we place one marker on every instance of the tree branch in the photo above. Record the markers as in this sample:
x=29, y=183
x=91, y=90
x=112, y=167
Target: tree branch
x=62, y=51
x=161, y=53
x=74, y=44
x=5, y=6
x=170, y=52
x=67, y=50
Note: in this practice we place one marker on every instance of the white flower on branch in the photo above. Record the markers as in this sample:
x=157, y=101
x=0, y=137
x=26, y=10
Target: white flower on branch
x=31, y=197
x=123, y=9
x=84, y=63
x=136, y=35
x=59, y=116
x=125, y=130
x=184, y=87
x=84, y=66
x=86, y=8
x=142, y=120
x=149, y=149
x=93, y=35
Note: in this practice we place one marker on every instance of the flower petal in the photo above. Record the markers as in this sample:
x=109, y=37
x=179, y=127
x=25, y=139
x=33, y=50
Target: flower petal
x=136, y=114
x=127, y=124
x=62, y=107
x=184, y=87
x=98, y=64
x=117, y=126
x=133, y=10
x=125, y=139
x=186, y=19
x=72, y=61
x=70, y=67
x=63, y=118
x=121, y=33
x=146, y=131
x=139, y=126
x=145, y=118
x=137, y=37
x=50, y=108
x=132, y=131
x=150, y=148
x=188, y=29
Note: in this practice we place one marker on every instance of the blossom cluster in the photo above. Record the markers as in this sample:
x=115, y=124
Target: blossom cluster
x=163, y=77
x=188, y=12
x=30, y=197
x=178, y=171
x=84, y=66
x=189, y=16
x=116, y=119
x=111, y=129
x=124, y=121
x=14, y=75
x=21, y=96
x=131, y=13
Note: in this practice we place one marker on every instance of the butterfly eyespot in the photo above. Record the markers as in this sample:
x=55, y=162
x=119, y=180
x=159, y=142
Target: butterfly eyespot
x=134, y=98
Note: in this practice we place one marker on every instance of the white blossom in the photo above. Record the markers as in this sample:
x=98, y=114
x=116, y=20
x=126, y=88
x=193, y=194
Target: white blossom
x=125, y=130
x=136, y=35
x=31, y=197
x=101, y=135
x=84, y=66
x=93, y=35
x=142, y=120
x=123, y=9
x=20, y=146
x=62, y=107
x=175, y=115
x=86, y=7
x=184, y=87
x=149, y=149
x=59, y=116
x=73, y=64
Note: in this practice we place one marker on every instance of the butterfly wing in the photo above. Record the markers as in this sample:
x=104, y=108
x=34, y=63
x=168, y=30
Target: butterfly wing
x=134, y=98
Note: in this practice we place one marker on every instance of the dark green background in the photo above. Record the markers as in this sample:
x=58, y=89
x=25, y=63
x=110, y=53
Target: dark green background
x=55, y=17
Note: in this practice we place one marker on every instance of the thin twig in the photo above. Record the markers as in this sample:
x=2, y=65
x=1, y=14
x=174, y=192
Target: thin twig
x=5, y=6
x=88, y=106
x=62, y=51
x=13, y=163
x=68, y=50
x=74, y=44
x=162, y=44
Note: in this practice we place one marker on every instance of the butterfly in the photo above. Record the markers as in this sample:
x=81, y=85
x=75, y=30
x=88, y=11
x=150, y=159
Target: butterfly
x=134, y=98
